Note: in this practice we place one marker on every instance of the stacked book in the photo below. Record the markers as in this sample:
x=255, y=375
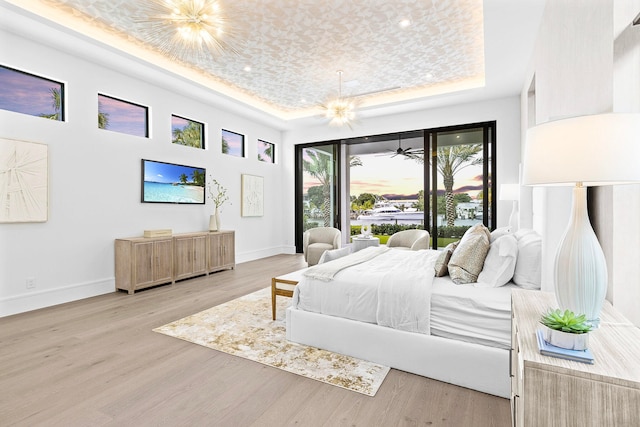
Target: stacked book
x=584, y=356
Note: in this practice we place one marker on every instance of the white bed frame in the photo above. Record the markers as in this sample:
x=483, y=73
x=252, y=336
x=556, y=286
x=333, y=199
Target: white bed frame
x=474, y=366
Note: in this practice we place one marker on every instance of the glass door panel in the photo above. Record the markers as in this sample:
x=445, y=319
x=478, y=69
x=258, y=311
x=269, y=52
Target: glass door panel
x=385, y=178
x=316, y=183
x=460, y=179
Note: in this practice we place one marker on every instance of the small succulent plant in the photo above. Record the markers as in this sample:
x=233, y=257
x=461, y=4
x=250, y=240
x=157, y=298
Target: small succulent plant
x=566, y=321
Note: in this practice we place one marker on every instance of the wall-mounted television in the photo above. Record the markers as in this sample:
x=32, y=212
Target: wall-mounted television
x=172, y=183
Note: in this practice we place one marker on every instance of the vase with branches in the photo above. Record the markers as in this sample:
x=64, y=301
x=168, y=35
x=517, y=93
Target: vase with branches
x=218, y=195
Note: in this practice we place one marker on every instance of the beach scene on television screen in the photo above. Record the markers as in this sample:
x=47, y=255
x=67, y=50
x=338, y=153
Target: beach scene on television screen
x=169, y=183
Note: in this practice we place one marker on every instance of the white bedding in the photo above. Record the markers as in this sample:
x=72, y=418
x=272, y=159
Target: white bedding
x=467, y=313
x=393, y=289
x=397, y=289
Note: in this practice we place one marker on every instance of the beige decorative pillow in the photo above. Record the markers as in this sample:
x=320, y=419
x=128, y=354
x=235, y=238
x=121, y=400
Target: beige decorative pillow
x=443, y=259
x=468, y=259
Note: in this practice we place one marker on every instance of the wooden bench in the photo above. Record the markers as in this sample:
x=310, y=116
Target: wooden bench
x=283, y=286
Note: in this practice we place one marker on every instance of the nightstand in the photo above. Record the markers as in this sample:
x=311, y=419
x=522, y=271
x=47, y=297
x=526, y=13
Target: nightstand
x=548, y=391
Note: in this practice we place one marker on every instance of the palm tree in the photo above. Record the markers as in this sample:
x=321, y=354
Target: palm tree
x=268, y=153
x=198, y=177
x=183, y=178
x=190, y=135
x=56, y=102
x=451, y=160
x=320, y=167
x=103, y=118
x=225, y=146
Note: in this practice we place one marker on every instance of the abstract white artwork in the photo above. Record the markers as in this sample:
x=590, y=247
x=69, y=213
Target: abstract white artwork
x=252, y=195
x=24, y=193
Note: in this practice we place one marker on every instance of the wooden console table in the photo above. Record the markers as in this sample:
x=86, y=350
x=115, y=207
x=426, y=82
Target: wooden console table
x=142, y=262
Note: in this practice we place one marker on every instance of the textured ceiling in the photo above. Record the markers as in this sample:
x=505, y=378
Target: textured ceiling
x=295, y=47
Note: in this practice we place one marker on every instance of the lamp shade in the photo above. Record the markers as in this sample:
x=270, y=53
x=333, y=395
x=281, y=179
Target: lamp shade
x=602, y=149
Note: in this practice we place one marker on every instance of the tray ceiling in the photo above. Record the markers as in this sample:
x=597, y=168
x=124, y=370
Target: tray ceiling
x=286, y=52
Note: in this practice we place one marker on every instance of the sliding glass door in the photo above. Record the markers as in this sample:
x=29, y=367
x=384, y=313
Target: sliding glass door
x=440, y=179
x=461, y=180
x=316, y=188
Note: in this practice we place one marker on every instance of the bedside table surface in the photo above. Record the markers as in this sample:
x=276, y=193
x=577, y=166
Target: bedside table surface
x=615, y=344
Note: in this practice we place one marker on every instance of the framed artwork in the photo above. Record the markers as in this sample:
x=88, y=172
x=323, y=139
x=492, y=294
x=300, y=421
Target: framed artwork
x=187, y=132
x=26, y=93
x=122, y=116
x=266, y=152
x=252, y=195
x=24, y=181
x=232, y=143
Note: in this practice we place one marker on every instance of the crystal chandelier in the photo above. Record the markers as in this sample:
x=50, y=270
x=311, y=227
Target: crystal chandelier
x=340, y=111
x=186, y=29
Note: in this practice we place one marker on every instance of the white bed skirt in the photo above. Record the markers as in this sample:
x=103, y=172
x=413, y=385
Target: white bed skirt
x=473, y=366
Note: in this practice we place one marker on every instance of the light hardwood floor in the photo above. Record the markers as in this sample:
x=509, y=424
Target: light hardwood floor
x=96, y=362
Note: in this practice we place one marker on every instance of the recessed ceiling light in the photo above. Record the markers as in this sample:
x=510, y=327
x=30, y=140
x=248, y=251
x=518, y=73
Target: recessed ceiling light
x=247, y=68
x=404, y=23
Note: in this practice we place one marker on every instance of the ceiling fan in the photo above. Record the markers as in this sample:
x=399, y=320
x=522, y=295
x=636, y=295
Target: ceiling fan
x=407, y=152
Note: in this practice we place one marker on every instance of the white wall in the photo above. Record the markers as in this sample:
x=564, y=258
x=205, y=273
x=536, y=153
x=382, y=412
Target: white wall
x=587, y=61
x=505, y=111
x=617, y=207
x=95, y=176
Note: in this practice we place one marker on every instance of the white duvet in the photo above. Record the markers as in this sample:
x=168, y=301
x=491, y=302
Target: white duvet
x=391, y=289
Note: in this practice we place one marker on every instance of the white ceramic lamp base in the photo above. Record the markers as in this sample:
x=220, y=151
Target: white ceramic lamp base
x=580, y=267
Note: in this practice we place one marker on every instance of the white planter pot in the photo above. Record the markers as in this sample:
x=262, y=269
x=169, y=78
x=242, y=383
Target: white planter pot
x=566, y=340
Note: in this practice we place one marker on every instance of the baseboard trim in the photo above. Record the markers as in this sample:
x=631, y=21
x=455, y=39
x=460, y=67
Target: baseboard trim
x=264, y=253
x=39, y=299
x=29, y=301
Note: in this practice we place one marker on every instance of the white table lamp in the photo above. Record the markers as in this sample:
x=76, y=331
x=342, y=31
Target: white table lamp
x=511, y=192
x=584, y=151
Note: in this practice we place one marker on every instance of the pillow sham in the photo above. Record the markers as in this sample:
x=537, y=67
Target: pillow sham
x=332, y=254
x=499, y=232
x=443, y=259
x=500, y=263
x=468, y=259
x=528, y=272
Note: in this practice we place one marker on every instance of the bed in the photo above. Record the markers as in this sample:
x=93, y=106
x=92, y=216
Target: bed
x=390, y=309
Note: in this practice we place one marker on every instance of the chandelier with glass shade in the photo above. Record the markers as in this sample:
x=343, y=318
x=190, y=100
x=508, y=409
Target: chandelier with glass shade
x=341, y=110
x=186, y=29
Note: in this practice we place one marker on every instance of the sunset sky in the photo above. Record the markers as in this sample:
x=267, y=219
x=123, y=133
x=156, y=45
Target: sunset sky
x=263, y=146
x=235, y=141
x=25, y=93
x=123, y=116
x=382, y=174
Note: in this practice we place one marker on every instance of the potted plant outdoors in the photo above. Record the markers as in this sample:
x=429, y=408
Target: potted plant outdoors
x=218, y=194
x=566, y=329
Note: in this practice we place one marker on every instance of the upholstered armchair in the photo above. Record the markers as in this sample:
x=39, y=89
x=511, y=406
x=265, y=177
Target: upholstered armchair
x=317, y=240
x=410, y=240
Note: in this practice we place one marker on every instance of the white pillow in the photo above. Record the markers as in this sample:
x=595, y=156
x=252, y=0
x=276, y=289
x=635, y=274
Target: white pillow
x=528, y=272
x=499, y=232
x=500, y=263
x=334, y=254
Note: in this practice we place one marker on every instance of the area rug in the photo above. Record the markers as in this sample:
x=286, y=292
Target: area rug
x=243, y=327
